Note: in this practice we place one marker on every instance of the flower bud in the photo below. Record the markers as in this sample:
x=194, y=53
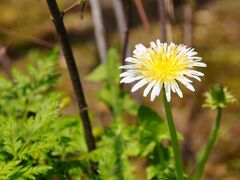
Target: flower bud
x=218, y=97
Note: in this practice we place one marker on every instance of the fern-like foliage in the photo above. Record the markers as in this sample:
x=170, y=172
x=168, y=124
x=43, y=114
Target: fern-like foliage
x=111, y=155
x=35, y=140
x=25, y=93
x=27, y=117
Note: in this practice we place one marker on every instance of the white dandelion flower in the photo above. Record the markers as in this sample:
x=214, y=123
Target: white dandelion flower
x=160, y=66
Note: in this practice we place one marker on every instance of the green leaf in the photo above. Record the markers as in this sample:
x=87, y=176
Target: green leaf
x=108, y=71
x=113, y=67
x=152, y=125
x=99, y=74
x=129, y=105
x=36, y=140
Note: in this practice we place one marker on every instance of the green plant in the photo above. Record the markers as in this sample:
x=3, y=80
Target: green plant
x=38, y=142
x=121, y=141
x=35, y=139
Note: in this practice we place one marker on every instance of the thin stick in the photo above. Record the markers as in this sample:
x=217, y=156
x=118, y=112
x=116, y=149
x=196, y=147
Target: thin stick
x=169, y=16
x=5, y=61
x=99, y=29
x=165, y=24
x=142, y=14
x=120, y=17
x=162, y=13
x=127, y=31
x=33, y=39
x=75, y=4
x=83, y=5
x=72, y=68
x=187, y=24
x=71, y=7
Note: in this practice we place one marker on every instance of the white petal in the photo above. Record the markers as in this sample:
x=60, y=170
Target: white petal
x=148, y=88
x=130, y=79
x=170, y=48
x=191, y=50
x=160, y=87
x=189, y=86
x=131, y=59
x=196, y=73
x=186, y=84
x=158, y=43
x=139, y=84
x=127, y=73
x=191, y=53
x=168, y=91
x=200, y=64
x=138, y=53
x=139, y=50
x=165, y=48
x=195, y=77
x=173, y=88
x=130, y=66
x=155, y=91
x=125, y=79
x=140, y=47
x=185, y=79
x=178, y=90
x=195, y=58
x=153, y=45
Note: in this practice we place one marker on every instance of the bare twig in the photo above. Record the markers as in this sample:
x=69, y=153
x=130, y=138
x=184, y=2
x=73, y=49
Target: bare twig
x=71, y=7
x=162, y=13
x=75, y=4
x=5, y=61
x=82, y=4
x=142, y=14
x=57, y=18
x=33, y=39
x=164, y=7
x=99, y=29
x=170, y=15
x=121, y=19
x=187, y=10
x=127, y=31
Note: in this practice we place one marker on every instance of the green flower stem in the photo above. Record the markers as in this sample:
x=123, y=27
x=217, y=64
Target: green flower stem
x=211, y=141
x=174, y=139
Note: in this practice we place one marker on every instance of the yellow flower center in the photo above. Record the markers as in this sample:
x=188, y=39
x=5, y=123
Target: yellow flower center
x=164, y=65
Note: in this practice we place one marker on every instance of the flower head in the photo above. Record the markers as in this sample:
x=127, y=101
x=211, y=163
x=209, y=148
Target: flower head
x=161, y=65
x=218, y=97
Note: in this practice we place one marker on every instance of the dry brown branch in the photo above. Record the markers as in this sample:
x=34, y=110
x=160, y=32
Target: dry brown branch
x=30, y=38
x=142, y=14
x=5, y=61
x=165, y=7
x=99, y=29
x=57, y=18
x=187, y=11
x=71, y=7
